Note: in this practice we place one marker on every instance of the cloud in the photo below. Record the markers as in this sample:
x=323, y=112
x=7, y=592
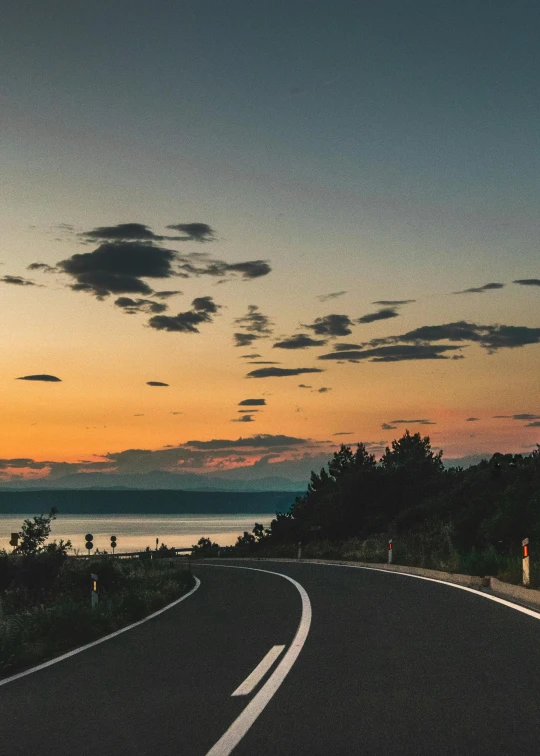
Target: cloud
x=133, y=306
x=261, y=440
x=415, y=422
x=323, y=390
x=249, y=411
x=299, y=341
x=393, y=302
x=331, y=325
x=156, y=383
x=121, y=232
x=536, y=424
x=176, y=413
x=481, y=289
x=387, y=426
x=243, y=419
x=343, y=433
x=333, y=295
x=43, y=267
x=303, y=385
x=200, y=232
x=527, y=281
x=17, y=281
x=472, y=419
x=249, y=269
x=399, y=353
x=250, y=356
x=252, y=403
x=187, y=322
x=280, y=372
x=384, y=314
x=255, y=322
x=165, y=294
x=347, y=347
x=40, y=377
x=518, y=416
x=244, y=339
x=490, y=337
x=263, y=362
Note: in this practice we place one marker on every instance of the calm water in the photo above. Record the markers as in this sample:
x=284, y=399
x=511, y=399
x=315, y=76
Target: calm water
x=136, y=532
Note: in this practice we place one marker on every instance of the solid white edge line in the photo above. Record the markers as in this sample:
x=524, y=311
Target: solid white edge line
x=259, y=672
x=230, y=739
x=100, y=640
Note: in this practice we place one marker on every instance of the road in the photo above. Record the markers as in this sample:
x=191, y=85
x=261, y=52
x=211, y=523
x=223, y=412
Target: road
x=389, y=665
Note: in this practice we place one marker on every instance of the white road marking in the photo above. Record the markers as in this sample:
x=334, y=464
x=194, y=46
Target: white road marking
x=255, y=707
x=259, y=672
x=100, y=640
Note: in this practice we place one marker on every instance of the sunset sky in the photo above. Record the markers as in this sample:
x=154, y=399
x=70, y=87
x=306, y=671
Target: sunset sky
x=324, y=180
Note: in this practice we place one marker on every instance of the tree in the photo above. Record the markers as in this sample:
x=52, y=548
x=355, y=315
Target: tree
x=35, y=532
x=414, y=454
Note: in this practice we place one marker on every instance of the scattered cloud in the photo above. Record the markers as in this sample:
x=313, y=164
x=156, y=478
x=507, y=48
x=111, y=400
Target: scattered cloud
x=387, y=426
x=397, y=353
x=249, y=411
x=303, y=385
x=332, y=295
x=176, y=413
x=280, y=372
x=40, y=377
x=413, y=422
x=263, y=362
x=343, y=433
x=256, y=326
x=472, y=419
x=156, y=383
x=299, y=341
x=323, y=390
x=243, y=419
x=187, y=322
x=133, y=306
x=166, y=294
x=518, y=416
x=535, y=424
x=527, y=281
x=43, y=267
x=393, y=302
x=250, y=356
x=384, y=314
x=252, y=403
x=331, y=325
x=200, y=232
x=245, y=339
x=17, y=281
x=262, y=440
x=481, y=289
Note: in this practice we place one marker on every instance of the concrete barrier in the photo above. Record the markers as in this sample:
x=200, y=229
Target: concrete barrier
x=518, y=592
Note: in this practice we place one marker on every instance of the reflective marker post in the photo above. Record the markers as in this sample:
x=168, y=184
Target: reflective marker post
x=94, y=591
x=300, y=550
x=390, y=549
x=526, y=568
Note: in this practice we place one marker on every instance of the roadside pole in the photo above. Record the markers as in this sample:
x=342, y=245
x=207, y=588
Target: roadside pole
x=299, y=549
x=94, y=591
x=526, y=567
x=390, y=550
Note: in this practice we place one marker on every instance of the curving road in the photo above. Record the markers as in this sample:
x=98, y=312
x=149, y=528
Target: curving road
x=359, y=662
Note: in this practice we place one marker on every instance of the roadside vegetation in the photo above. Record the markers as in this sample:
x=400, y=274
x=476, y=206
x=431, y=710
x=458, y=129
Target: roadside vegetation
x=45, y=604
x=469, y=521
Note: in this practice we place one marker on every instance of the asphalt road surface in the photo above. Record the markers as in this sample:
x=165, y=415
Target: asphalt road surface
x=359, y=662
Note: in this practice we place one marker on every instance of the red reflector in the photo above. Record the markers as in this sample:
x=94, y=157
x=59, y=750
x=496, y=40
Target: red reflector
x=525, y=551
x=390, y=546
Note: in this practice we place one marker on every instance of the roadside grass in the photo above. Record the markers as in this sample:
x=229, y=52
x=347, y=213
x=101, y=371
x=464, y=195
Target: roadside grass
x=36, y=625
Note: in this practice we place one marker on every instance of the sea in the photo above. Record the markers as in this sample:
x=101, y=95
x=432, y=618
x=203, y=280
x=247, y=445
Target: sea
x=136, y=532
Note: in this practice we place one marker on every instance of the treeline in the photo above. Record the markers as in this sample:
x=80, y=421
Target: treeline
x=410, y=496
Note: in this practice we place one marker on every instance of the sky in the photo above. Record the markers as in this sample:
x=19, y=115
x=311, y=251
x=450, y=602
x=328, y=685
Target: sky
x=205, y=194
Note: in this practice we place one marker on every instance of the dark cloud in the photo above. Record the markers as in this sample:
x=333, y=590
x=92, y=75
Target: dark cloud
x=176, y=413
x=165, y=294
x=323, y=390
x=490, y=337
x=347, y=347
x=303, y=385
x=250, y=356
x=121, y=232
x=243, y=419
x=252, y=403
x=200, y=232
x=481, y=289
x=156, y=383
x=399, y=353
x=384, y=314
x=299, y=341
x=17, y=281
x=248, y=411
x=40, y=377
x=281, y=372
x=255, y=322
x=331, y=325
x=187, y=322
x=387, y=426
x=393, y=302
x=415, y=422
x=245, y=339
x=132, y=306
x=262, y=440
x=43, y=267
x=527, y=281
x=472, y=419
x=536, y=424
x=343, y=433
x=333, y=295
x=519, y=416
x=139, y=414
x=263, y=362
x=250, y=269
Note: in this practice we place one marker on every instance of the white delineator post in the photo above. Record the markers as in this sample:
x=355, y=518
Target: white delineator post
x=300, y=550
x=390, y=549
x=526, y=567
x=94, y=591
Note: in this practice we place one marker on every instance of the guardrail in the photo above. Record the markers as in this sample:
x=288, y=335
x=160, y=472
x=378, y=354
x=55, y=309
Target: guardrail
x=124, y=554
